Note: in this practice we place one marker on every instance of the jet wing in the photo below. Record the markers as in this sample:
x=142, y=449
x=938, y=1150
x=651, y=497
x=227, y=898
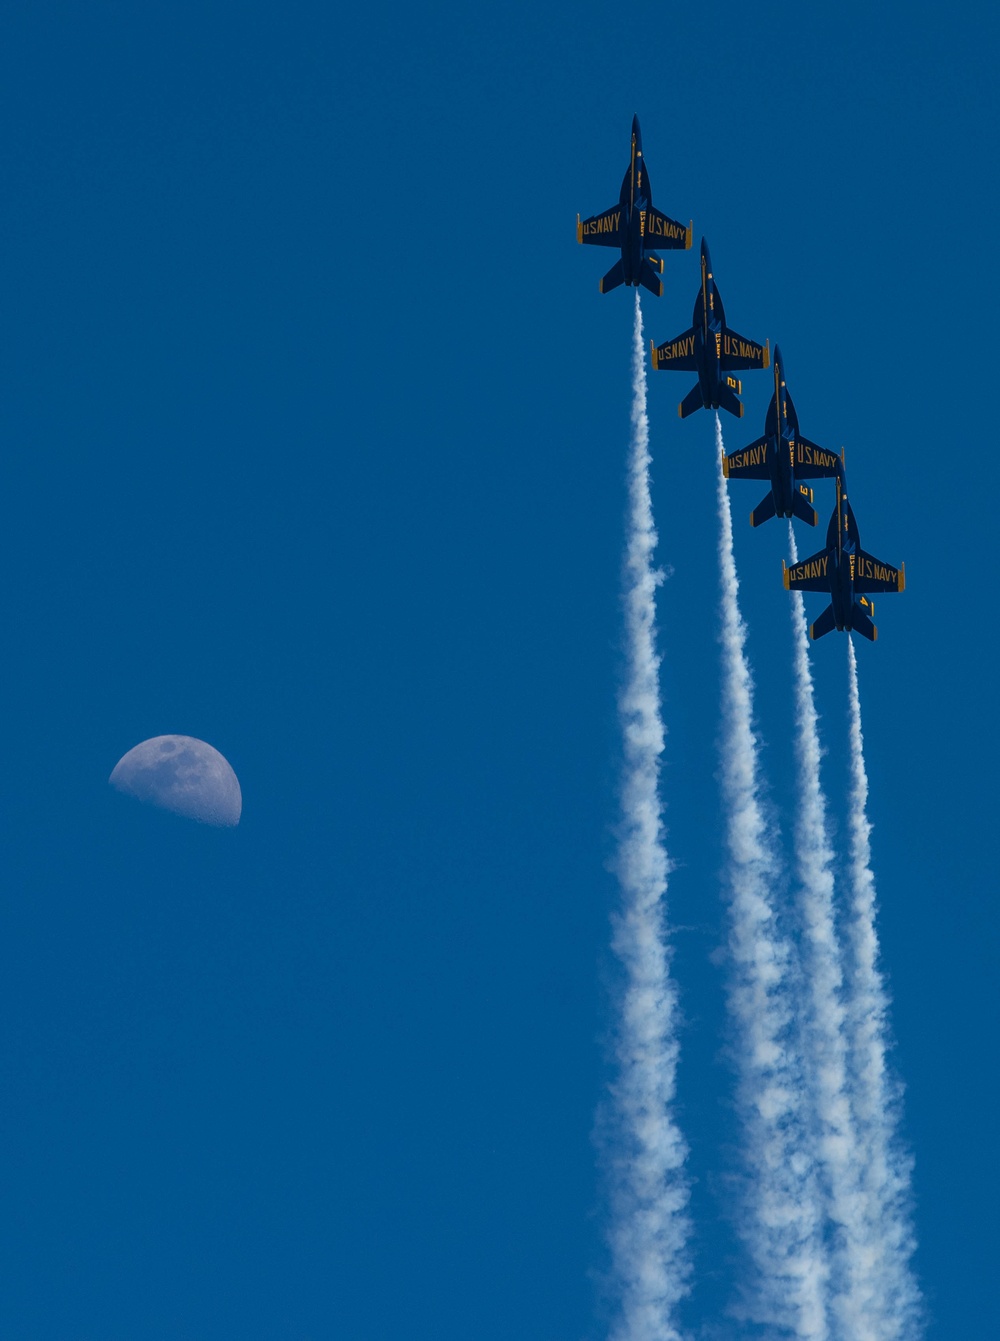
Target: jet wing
x=738, y=353
x=815, y=463
x=752, y=463
x=677, y=354
x=601, y=230
x=812, y=574
x=871, y=574
x=666, y=234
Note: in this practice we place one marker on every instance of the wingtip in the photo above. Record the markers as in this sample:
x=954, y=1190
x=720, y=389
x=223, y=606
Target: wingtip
x=784, y=575
x=902, y=577
x=690, y=235
x=579, y=229
x=767, y=353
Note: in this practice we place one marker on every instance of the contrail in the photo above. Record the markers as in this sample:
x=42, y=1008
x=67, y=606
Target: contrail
x=650, y=1225
x=853, y=1289
x=779, y=1217
x=886, y=1168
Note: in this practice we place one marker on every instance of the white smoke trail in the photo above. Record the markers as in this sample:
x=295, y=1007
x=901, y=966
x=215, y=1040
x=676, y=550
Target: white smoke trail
x=779, y=1216
x=886, y=1169
x=650, y=1193
x=853, y=1288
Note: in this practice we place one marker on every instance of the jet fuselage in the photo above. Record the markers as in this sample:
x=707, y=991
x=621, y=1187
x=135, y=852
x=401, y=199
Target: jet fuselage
x=635, y=205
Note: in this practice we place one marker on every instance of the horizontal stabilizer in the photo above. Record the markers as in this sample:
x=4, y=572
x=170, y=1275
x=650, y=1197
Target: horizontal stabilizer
x=860, y=623
x=691, y=402
x=803, y=509
x=825, y=624
x=728, y=400
x=614, y=277
x=650, y=279
x=764, y=510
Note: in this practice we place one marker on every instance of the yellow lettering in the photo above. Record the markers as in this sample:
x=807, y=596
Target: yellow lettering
x=604, y=223
x=805, y=572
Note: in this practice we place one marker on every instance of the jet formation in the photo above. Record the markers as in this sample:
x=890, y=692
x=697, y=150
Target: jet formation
x=781, y=455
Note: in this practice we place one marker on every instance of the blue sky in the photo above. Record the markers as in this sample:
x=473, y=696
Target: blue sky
x=312, y=436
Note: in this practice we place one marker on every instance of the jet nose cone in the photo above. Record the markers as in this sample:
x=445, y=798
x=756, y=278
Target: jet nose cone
x=635, y=125
x=704, y=255
x=779, y=365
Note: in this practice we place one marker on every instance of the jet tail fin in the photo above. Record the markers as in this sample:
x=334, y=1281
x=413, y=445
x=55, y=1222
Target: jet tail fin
x=691, y=402
x=728, y=400
x=803, y=509
x=861, y=623
x=824, y=625
x=650, y=279
x=614, y=277
x=764, y=510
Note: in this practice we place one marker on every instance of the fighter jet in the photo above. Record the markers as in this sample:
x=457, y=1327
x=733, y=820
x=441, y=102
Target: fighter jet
x=846, y=572
x=712, y=350
x=636, y=227
x=784, y=457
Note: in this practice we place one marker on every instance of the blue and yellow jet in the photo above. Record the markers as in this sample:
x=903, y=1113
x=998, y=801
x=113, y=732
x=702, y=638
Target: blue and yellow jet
x=845, y=571
x=711, y=350
x=636, y=227
x=784, y=457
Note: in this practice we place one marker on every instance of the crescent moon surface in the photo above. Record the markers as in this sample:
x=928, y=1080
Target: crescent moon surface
x=183, y=775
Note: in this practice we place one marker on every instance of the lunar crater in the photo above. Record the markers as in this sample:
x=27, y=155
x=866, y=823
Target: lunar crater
x=184, y=775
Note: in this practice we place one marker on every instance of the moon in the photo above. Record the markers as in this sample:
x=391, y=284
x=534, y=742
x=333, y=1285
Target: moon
x=184, y=775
